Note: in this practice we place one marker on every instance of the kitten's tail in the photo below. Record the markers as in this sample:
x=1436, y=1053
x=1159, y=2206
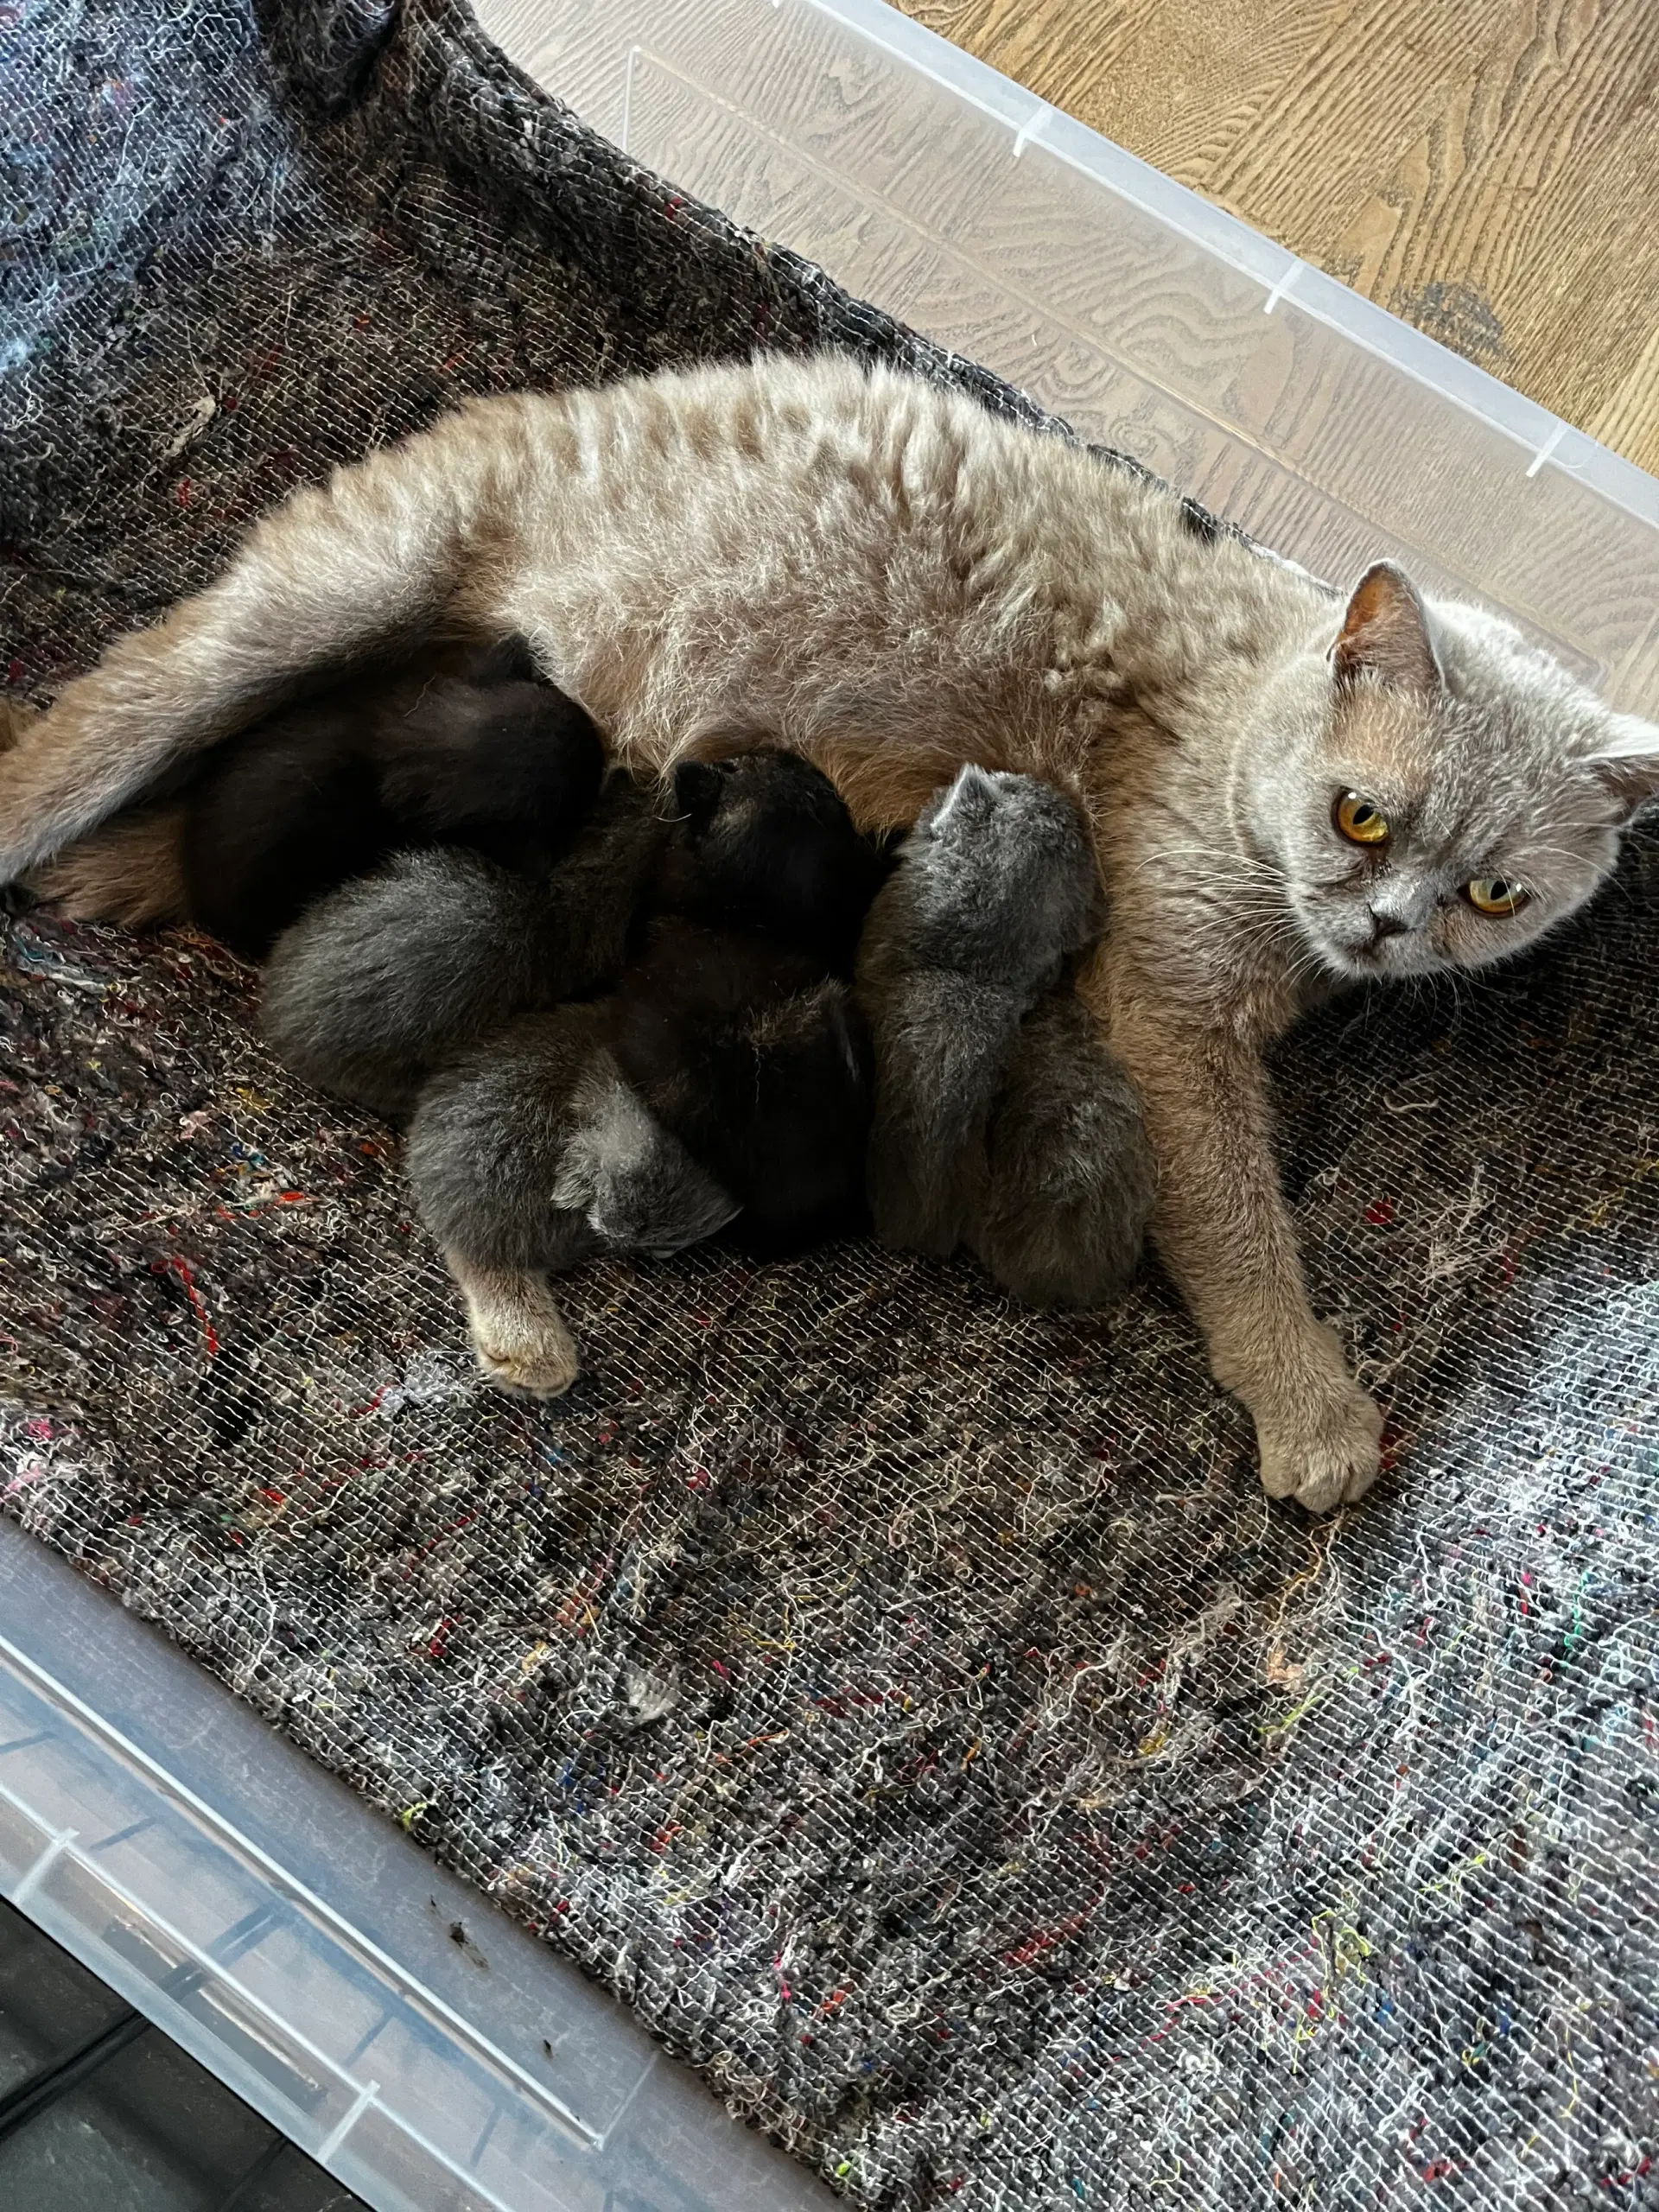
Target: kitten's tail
x=381, y=555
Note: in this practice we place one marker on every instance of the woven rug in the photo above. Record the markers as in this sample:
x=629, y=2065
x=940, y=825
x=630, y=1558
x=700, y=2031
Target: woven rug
x=910, y=1706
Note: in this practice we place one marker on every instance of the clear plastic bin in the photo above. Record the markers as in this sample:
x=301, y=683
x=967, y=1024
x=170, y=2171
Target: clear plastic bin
x=431, y=2054
x=1150, y=320
x=428, y=2052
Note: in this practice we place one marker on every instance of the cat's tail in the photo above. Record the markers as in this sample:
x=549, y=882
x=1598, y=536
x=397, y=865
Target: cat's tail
x=385, y=554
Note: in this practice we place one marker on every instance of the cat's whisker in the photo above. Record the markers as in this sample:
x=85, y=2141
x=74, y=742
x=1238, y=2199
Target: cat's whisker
x=1217, y=860
x=1275, y=894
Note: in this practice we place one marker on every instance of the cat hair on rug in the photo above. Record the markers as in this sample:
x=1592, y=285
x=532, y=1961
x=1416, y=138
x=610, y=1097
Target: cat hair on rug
x=467, y=748
x=1002, y=1121
x=1289, y=789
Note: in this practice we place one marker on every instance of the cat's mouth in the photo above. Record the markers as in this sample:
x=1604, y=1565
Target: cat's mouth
x=1355, y=949
x=1370, y=958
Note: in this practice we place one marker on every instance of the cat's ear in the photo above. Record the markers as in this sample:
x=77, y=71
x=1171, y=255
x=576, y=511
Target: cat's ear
x=1386, y=632
x=1627, y=761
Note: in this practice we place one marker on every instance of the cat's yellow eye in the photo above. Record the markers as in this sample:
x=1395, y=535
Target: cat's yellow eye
x=1493, y=894
x=1361, y=822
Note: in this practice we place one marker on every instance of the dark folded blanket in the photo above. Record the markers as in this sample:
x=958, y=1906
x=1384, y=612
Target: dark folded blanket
x=910, y=1705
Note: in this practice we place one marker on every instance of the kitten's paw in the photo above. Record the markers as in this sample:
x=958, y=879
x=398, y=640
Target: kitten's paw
x=518, y=1333
x=1322, y=1448
x=543, y=1370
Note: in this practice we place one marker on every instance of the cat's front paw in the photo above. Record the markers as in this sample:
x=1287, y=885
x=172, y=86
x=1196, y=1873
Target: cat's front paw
x=1321, y=1444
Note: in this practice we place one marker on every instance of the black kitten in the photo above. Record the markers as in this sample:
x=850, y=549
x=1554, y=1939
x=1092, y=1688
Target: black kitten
x=766, y=843
x=463, y=748
x=760, y=1064
x=735, y=1025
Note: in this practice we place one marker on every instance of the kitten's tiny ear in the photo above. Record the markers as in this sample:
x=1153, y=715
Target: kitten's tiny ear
x=971, y=798
x=1627, y=761
x=697, y=786
x=509, y=660
x=1387, y=633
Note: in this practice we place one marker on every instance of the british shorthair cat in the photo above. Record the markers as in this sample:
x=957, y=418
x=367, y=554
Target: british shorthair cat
x=1288, y=789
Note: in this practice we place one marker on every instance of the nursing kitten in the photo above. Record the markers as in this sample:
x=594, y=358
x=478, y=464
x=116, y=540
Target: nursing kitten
x=724, y=1058
x=1002, y=1122
x=1284, y=792
x=393, y=974
x=992, y=890
x=760, y=1064
x=531, y=1153
x=764, y=841
x=1069, y=1178
x=598, y=1127
x=463, y=749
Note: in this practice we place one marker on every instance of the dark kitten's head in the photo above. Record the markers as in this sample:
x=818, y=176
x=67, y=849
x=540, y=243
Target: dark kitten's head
x=765, y=843
x=488, y=754
x=1439, y=792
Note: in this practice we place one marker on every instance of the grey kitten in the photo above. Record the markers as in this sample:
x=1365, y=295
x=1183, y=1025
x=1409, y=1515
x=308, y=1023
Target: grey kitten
x=391, y=975
x=1002, y=1119
x=531, y=1153
x=1069, y=1177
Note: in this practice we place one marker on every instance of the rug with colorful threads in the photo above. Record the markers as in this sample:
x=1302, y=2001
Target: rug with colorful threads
x=911, y=1706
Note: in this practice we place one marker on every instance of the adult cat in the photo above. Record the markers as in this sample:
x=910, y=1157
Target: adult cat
x=1285, y=793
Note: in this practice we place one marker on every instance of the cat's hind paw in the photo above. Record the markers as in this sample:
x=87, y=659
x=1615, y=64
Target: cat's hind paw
x=1325, y=1450
x=128, y=872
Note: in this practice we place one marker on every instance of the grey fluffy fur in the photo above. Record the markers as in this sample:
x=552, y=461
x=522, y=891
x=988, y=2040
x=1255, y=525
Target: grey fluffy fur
x=532, y=1153
x=391, y=976
x=1002, y=1120
x=1069, y=1175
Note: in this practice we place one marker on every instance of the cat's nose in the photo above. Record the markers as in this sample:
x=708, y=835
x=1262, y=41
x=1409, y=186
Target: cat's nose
x=1386, y=925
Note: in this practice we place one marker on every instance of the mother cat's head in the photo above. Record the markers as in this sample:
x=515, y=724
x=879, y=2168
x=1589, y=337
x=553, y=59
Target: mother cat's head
x=1439, y=792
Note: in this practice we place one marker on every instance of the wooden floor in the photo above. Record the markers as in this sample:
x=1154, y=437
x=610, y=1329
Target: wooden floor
x=1487, y=168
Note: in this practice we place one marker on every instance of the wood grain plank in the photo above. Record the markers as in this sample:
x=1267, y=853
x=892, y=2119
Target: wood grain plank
x=1489, y=171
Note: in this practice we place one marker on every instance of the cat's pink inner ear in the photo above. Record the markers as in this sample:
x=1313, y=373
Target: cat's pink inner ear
x=1386, y=634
